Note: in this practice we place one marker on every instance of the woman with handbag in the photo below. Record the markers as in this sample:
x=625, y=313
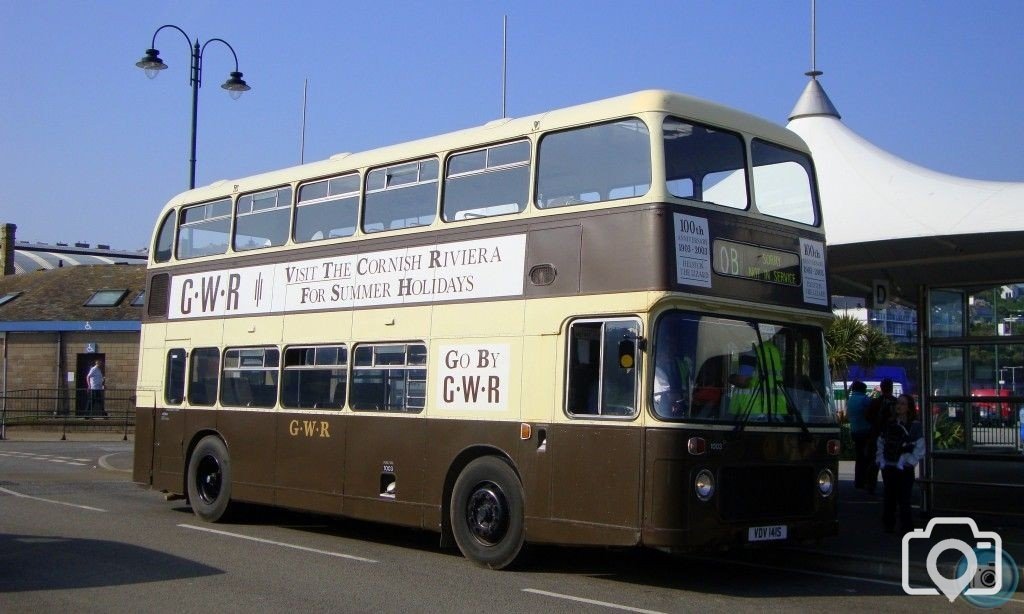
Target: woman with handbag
x=900, y=449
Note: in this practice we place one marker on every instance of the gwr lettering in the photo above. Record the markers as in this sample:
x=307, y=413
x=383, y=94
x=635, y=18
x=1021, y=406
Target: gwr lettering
x=210, y=292
x=309, y=428
x=186, y=300
x=211, y=288
x=234, y=281
x=472, y=388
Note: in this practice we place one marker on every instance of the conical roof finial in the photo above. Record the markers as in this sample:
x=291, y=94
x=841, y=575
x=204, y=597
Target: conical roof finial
x=814, y=100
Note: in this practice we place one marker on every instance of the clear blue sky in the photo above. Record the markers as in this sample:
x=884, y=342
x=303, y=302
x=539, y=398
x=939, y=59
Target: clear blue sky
x=90, y=149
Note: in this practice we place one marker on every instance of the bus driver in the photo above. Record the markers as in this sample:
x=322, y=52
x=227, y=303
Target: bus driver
x=671, y=379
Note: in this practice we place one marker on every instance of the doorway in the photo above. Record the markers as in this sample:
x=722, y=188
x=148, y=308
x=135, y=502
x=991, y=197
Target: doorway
x=83, y=363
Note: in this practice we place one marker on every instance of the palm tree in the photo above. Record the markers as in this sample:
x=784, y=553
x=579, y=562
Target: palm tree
x=844, y=340
x=877, y=346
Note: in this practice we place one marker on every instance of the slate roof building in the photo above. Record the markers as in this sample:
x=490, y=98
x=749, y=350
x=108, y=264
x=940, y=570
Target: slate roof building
x=56, y=322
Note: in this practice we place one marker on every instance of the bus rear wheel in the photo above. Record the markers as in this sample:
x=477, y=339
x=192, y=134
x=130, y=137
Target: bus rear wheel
x=487, y=513
x=209, y=479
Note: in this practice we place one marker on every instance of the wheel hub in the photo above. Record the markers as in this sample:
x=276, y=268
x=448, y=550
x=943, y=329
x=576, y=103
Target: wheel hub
x=208, y=479
x=487, y=514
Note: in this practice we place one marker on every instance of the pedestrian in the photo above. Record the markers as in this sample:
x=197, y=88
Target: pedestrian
x=879, y=411
x=94, y=379
x=900, y=449
x=860, y=431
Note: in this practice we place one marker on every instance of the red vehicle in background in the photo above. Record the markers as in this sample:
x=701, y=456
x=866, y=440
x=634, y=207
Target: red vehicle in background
x=991, y=411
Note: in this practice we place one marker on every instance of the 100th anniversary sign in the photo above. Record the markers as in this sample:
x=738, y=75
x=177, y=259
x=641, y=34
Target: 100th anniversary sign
x=483, y=268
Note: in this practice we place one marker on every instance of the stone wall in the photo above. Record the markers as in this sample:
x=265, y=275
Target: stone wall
x=33, y=360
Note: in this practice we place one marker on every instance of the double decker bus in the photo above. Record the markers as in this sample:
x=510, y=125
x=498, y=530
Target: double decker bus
x=600, y=325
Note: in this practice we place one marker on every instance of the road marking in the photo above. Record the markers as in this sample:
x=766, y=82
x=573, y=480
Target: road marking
x=103, y=463
x=614, y=606
x=819, y=573
x=24, y=496
x=274, y=543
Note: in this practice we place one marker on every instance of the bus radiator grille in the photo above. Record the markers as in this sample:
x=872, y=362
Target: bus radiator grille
x=760, y=492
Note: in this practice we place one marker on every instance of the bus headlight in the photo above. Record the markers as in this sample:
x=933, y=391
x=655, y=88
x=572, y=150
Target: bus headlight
x=704, y=485
x=826, y=483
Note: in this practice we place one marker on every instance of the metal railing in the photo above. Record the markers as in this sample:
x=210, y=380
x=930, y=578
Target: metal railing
x=68, y=409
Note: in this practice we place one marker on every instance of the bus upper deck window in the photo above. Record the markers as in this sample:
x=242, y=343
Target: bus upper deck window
x=327, y=209
x=487, y=182
x=594, y=163
x=204, y=229
x=782, y=182
x=705, y=163
x=262, y=219
x=165, y=239
x=401, y=196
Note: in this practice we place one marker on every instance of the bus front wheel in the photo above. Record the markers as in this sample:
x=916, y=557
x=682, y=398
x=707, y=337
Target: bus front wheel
x=209, y=479
x=487, y=513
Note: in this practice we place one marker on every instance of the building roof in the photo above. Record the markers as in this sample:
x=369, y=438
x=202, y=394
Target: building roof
x=56, y=299
x=42, y=256
x=891, y=220
x=869, y=194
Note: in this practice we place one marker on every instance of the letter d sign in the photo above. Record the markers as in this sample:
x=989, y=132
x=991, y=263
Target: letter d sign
x=880, y=294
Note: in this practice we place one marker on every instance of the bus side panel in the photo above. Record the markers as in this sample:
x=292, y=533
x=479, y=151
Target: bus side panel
x=669, y=489
x=249, y=435
x=310, y=461
x=596, y=481
x=454, y=444
x=610, y=260
x=168, y=454
x=142, y=467
x=379, y=449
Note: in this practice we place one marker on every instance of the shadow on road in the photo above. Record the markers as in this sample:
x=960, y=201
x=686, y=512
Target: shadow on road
x=35, y=562
x=741, y=573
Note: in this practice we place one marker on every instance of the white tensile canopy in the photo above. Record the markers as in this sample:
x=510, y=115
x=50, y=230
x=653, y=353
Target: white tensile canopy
x=886, y=218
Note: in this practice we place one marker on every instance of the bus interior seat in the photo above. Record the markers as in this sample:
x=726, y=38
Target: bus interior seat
x=240, y=390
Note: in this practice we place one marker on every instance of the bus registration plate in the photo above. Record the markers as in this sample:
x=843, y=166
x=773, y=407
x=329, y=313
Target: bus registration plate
x=761, y=534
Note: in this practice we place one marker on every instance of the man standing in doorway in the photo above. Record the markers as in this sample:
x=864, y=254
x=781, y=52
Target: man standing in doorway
x=94, y=379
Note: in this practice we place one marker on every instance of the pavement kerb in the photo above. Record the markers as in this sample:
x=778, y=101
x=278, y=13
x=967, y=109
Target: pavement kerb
x=28, y=434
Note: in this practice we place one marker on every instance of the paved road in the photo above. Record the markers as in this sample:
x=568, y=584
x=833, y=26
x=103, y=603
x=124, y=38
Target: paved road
x=77, y=535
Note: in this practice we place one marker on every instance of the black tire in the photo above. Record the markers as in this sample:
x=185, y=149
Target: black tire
x=487, y=513
x=209, y=479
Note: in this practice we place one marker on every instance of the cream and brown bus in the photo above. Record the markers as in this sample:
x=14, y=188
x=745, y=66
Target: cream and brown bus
x=600, y=325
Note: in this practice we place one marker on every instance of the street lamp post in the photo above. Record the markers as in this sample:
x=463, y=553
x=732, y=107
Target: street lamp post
x=235, y=85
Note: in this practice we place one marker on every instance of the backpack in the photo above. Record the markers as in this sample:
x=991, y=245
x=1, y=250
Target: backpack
x=894, y=437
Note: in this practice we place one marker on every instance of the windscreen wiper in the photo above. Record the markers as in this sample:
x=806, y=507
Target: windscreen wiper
x=744, y=416
x=792, y=410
